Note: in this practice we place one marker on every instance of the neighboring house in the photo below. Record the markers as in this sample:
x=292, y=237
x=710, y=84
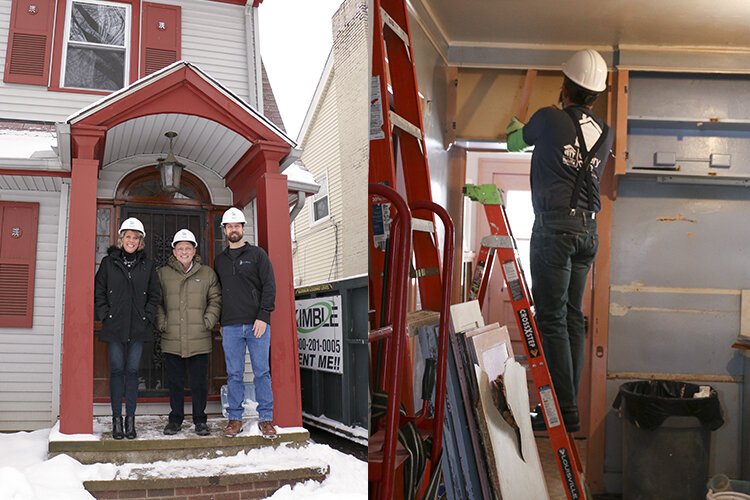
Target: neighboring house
x=330, y=237
x=88, y=90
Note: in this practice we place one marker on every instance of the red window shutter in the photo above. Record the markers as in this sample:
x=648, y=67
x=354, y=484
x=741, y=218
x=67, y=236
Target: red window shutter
x=161, y=36
x=19, y=224
x=29, y=42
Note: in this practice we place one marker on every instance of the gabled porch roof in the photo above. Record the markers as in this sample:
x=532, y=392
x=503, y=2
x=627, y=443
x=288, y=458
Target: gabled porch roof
x=215, y=127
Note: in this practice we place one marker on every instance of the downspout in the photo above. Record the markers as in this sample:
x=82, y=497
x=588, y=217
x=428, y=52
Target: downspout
x=297, y=208
x=57, y=333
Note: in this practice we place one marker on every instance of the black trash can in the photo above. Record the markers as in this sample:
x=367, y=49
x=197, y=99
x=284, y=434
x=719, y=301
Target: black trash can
x=666, y=439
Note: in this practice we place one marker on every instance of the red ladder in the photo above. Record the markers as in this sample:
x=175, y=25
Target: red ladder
x=397, y=138
x=502, y=244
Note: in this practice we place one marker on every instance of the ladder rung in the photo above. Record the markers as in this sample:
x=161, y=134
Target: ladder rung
x=422, y=225
x=398, y=30
x=405, y=125
x=495, y=241
x=380, y=333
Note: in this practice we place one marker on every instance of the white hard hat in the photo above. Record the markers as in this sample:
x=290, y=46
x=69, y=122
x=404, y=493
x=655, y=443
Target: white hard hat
x=132, y=224
x=587, y=69
x=184, y=235
x=233, y=216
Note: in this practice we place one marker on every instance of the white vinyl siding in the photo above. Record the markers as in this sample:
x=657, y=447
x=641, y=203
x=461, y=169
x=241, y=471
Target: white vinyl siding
x=26, y=354
x=213, y=38
x=316, y=243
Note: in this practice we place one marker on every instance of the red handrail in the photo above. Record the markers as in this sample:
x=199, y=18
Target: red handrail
x=395, y=314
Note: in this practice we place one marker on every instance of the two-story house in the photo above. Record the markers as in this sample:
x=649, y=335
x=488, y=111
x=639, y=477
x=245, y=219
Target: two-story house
x=89, y=90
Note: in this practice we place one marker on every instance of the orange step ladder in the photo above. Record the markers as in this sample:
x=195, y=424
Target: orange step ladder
x=397, y=139
x=501, y=244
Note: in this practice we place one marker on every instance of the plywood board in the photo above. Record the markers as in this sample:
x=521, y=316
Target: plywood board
x=519, y=477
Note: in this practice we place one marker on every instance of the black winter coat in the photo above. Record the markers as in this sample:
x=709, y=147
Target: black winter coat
x=248, y=287
x=125, y=300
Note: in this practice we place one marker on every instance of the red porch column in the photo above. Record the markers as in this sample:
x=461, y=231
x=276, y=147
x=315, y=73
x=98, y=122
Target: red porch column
x=77, y=385
x=275, y=236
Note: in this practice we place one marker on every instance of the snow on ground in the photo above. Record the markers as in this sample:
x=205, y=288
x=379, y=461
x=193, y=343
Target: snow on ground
x=26, y=474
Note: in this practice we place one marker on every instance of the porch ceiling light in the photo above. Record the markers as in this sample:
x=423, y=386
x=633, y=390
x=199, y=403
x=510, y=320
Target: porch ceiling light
x=170, y=168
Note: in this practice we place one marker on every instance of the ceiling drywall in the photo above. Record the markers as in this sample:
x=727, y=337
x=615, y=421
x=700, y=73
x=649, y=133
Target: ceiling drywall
x=475, y=32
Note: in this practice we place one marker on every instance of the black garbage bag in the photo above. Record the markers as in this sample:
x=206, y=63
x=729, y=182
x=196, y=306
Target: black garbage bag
x=648, y=403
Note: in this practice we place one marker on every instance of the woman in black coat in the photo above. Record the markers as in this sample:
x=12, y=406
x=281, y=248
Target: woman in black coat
x=126, y=296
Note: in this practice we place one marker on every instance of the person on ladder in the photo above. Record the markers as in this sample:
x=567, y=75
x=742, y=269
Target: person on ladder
x=571, y=148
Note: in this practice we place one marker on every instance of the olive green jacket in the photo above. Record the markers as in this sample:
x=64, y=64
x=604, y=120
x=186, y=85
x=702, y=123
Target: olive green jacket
x=190, y=307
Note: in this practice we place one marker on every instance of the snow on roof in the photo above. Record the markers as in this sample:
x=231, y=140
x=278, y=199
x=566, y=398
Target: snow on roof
x=27, y=140
x=300, y=179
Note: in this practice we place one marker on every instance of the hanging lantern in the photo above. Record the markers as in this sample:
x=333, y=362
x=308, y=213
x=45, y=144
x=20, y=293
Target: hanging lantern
x=170, y=168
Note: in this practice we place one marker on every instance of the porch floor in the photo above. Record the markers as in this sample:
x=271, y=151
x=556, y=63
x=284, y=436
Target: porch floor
x=152, y=445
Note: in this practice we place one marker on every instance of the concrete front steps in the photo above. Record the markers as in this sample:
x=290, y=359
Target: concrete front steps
x=189, y=466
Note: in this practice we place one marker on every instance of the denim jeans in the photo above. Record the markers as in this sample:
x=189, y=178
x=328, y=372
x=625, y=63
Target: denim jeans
x=563, y=248
x=197, y=368
x=234, y=340
x=124, y=361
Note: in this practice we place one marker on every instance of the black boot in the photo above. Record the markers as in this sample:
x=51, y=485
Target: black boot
x=130, y=427
x=117, y=428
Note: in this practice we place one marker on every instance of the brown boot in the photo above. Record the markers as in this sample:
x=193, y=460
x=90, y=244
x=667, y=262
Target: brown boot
x=267, y=429
x=233, y=428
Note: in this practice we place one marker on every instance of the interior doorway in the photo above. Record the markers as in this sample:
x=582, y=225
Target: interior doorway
x=510, y=172
x=162, y=215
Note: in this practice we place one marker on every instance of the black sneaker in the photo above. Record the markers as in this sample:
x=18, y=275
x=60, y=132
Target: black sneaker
x=202, y=429
x=571, y=419
x=172, y=428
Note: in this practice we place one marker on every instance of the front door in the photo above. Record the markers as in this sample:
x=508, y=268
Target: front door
x=162, y=214
x=161, y=225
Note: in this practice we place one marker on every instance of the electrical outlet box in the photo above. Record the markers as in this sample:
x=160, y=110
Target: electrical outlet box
x=720, y=161
x=662, y=159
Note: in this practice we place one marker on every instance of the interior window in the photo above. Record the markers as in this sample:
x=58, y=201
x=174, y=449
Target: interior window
x=96, y=42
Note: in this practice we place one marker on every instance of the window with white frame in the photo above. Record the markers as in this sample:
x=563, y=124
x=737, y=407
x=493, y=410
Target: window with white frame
x=97, y=37
x=320, y=200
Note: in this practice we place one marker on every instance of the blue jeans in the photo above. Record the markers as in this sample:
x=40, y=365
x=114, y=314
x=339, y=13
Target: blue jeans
x=563, y=248
x=124, y=361
x=234, y=340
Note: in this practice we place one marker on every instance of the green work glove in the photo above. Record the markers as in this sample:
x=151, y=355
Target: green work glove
x=513, y=125
x=516, y=142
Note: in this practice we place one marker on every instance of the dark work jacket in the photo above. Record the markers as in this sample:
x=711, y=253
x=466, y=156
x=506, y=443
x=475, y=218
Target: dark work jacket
x=557, y=157
x=125, y=300
x=248, y=288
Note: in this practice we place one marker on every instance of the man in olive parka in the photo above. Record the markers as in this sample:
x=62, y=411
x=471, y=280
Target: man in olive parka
x=191, y=306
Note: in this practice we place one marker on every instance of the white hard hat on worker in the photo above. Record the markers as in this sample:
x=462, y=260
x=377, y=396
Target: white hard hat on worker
x=132, y=224
x=184, y=235
x=587, y=69
x=233, y=216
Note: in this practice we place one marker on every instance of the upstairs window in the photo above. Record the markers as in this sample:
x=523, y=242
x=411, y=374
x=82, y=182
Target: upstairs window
x=320, y=201
x=97, y=37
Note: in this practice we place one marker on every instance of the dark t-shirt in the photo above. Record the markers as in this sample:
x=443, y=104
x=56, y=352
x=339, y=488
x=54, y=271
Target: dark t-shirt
x=556, y=157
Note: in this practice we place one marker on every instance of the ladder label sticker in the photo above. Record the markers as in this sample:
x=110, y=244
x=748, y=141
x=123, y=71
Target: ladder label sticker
x=381, y=222
x=511, y=277
x=527, y=331
x=567, y=467
x=550, y=409
x=476, y=283
x=376, y=110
